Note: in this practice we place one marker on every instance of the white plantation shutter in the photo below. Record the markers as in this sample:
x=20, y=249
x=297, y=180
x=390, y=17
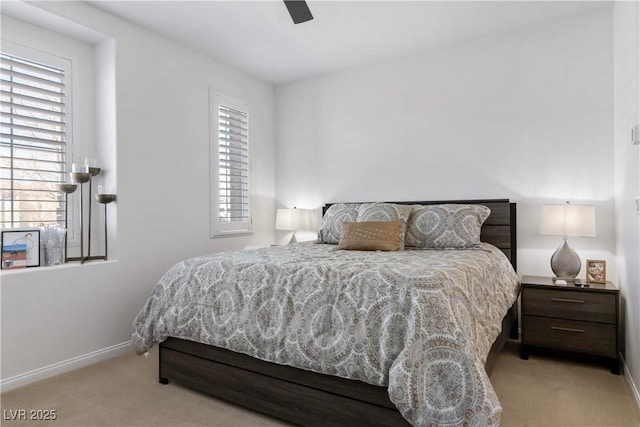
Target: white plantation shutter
x=231, y=207
x=233, y=164
x=33, y=141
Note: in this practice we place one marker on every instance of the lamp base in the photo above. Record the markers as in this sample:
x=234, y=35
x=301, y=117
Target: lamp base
x=565, y=262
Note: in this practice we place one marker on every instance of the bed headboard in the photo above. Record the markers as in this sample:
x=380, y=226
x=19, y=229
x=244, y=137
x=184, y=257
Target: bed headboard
x=499, y=229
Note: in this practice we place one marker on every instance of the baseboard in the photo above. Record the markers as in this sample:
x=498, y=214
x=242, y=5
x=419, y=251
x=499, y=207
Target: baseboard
x=74, y=363
x=632, y=386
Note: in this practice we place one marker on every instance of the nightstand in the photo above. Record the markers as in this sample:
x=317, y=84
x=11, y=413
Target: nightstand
x=570, y=319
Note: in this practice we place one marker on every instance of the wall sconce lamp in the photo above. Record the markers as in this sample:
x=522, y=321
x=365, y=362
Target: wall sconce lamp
x=567, y=220
x=293, y=220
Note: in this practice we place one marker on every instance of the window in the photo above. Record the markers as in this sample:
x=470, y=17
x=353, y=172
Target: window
x=35, y=129
x=231, y=197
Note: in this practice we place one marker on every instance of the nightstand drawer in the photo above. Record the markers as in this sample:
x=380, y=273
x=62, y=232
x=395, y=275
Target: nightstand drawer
x=574, y=305
x=582, y=337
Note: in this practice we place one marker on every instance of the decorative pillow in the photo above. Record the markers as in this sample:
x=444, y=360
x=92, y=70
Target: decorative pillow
x=385, y=212
x=331, y=225
x=372, y=235
x=446, y=226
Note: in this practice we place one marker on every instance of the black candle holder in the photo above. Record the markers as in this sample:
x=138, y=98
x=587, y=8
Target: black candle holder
x=84, y=178
x=105, y=199
x=66, y=189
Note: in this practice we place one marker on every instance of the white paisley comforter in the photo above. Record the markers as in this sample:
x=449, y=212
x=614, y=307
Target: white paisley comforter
x=418, y=321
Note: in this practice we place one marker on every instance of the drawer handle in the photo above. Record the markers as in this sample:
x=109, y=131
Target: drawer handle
x=558, y=328
x=577, y=301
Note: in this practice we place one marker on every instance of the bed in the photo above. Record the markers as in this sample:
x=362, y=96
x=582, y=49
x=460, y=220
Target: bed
x=392, y=346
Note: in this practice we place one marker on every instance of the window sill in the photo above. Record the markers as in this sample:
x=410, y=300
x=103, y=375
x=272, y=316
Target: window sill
x=69, y=265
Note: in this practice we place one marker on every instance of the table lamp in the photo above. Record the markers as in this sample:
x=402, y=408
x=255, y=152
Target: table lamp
x=293, y=220
x=567, y=220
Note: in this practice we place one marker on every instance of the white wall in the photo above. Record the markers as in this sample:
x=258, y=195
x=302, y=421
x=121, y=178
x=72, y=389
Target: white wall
x=626, y=19
x=153, y=128
x=525, y=115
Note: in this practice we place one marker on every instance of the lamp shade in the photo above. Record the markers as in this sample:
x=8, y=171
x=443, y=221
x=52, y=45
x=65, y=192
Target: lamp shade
x=569, y=220
x=293, y=219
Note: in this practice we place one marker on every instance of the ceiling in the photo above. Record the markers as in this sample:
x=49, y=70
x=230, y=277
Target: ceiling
x=259, y=38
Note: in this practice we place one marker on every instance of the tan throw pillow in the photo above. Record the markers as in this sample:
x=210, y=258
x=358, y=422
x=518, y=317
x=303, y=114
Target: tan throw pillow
x=385, y=212
x=372, y=235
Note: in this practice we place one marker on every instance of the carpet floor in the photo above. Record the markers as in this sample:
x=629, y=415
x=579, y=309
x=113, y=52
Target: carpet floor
x=124, y=391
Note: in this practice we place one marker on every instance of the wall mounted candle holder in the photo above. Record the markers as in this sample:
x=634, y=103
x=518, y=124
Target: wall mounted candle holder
x=83, y=175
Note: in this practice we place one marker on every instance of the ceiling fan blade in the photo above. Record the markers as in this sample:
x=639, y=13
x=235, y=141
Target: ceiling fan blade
x=298, y=10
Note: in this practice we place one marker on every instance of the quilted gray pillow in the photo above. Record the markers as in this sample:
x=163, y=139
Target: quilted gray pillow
x=331, y=225
x=446, y=226
x=386, y=212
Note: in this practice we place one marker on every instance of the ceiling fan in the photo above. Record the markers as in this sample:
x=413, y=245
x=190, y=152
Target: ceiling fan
x=298, y=10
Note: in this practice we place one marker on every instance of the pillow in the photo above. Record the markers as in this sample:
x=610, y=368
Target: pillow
x=385, y=212
x=372, y=235
x=446, y=226
x=331, y=225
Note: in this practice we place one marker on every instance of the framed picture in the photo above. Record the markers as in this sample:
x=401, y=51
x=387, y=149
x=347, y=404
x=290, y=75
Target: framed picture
x=596, y=271
x=20, y=248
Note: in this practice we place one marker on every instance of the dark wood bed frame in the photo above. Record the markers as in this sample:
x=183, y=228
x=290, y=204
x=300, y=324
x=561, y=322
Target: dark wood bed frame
x=308, y=398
